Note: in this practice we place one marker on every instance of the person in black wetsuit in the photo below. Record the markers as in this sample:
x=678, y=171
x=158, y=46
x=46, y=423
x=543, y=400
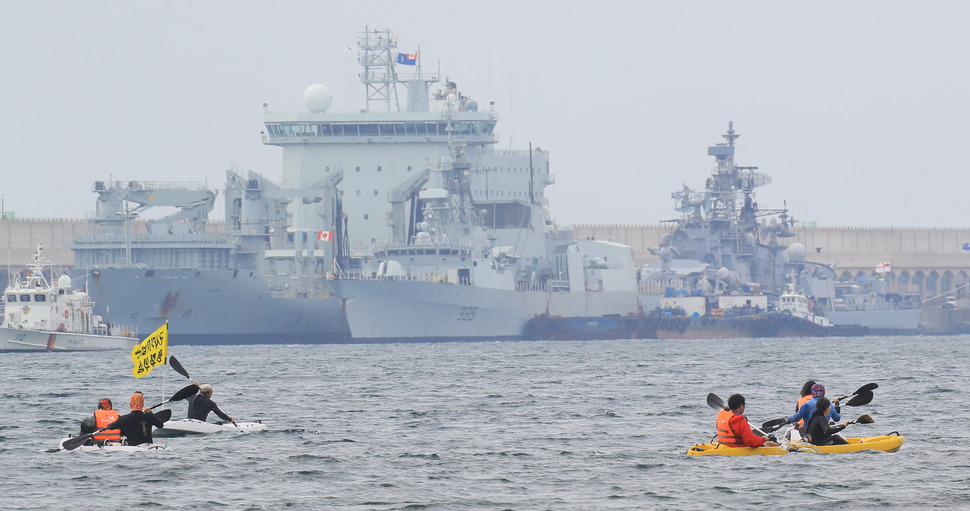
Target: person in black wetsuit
x=201, y=404
x=818, y=431
x=136, y=426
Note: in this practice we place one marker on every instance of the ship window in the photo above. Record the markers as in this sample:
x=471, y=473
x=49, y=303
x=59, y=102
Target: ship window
x=368, y=129
x=375, y=193
x=378, y=168
x=358, y=168
x=40, y=298
x=409, y=168
x=366, y=217
x=358, y=193
x=11, y=298
x=24, y=298
x=328, y=168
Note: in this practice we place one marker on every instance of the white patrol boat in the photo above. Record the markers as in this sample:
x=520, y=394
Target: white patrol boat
x=794, y=303
x=39, y=316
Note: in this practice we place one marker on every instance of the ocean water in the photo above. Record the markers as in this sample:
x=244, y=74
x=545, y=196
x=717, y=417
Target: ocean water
x=494, y=425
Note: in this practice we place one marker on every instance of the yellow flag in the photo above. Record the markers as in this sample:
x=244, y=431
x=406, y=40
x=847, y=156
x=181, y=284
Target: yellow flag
x=152, y=352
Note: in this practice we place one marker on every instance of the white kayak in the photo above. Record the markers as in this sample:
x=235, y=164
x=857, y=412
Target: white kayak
x=197, y=426
x=112, y=446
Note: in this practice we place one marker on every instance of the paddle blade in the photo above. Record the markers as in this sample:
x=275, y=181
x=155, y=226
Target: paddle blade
x=187, y=391
x=164, y=415
x=774, y=424
x=860, y=399
x=73, y=443
x=865, y=419
x=174, y=362
x=715, y=402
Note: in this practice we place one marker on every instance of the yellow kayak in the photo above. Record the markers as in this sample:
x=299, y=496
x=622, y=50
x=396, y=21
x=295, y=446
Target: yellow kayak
x=723, y=450
x=885, y=443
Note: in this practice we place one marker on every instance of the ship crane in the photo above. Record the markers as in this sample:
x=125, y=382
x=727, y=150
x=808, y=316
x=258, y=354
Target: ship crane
x=193, y=200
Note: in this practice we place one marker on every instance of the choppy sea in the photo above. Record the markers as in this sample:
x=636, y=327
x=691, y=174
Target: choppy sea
x=494, y=425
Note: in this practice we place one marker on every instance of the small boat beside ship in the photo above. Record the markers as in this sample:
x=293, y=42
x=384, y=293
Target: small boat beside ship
x=42, y=316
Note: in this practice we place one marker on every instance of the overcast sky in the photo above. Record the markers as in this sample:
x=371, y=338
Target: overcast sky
x=858, y=110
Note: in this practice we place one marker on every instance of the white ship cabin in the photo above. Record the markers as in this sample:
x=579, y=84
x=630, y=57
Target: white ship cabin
x=31, y=303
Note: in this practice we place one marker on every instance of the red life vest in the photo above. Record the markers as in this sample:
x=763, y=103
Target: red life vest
x=103, y=418
x=725, y=433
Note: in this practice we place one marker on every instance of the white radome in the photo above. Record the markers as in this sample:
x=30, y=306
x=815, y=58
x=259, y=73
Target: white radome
x=317, y=98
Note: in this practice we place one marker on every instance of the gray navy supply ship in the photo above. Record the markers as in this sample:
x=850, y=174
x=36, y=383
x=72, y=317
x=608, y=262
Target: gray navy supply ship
x=431, y=231
x=724, y=244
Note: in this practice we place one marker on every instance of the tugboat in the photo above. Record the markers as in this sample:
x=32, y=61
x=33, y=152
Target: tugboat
x=39, y=316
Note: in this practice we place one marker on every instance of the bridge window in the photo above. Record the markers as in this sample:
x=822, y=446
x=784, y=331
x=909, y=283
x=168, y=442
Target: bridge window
x=24, y=298
x=11, y=298
x=40, y=298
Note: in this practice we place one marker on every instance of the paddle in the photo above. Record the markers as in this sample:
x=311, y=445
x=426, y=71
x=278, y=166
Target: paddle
x=863, y=419
x=718, y=404
x=774, y=424
x=869, y=387
x=174, y=362
x=863, y=398
x=73, y=443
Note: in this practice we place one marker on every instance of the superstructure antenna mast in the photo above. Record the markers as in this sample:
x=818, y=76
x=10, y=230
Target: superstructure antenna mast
x=377, y=58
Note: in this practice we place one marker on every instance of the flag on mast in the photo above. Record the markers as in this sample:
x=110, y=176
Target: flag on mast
x=153, y=351
x=885, y=267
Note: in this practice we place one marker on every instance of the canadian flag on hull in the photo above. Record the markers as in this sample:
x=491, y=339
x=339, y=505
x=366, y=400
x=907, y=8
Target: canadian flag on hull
x=325, y=235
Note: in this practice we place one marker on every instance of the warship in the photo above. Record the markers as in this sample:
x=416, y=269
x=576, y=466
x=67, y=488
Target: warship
x=478, y=264
x=401, y=194
x=724, y=243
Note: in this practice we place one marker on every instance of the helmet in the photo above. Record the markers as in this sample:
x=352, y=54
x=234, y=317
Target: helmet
x=818, y=390
x=137, y=401
x=104, y=404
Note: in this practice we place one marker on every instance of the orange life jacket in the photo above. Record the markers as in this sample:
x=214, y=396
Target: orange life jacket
x=725, y=433
x=103, y=418
x=802, y=400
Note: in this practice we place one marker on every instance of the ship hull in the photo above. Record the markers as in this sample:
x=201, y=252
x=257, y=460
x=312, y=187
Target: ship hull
x=408, y=310
x=880, y=322
x=17, y=339
x=214, y=307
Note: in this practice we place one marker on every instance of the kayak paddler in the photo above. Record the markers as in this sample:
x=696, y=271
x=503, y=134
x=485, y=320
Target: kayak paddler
x=733, y=429
x=136, y=426
x=104, y=415
x=201, y=404
x=806, y=411
x=818, y=430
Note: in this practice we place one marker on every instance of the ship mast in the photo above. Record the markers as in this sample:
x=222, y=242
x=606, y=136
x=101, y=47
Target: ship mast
x=377, y=59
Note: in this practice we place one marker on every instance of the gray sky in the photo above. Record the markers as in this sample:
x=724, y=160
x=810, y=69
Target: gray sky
x=858, y=110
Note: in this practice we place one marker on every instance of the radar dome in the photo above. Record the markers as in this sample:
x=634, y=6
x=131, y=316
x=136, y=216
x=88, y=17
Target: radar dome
x=723, y=273
x=796, y=252
x=317, y=98
x=471, y=105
